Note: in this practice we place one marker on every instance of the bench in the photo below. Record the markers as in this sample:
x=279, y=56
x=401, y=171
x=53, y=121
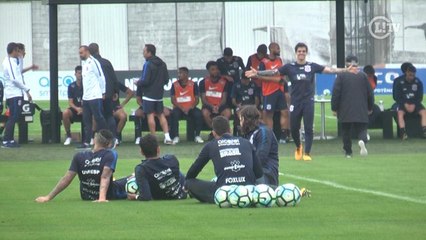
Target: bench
x=413, y=126
x=383, y=121
x=46, y=126
x=144, y=123
x=27, y=116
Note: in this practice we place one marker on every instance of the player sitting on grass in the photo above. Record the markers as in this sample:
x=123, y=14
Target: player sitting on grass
x=157, y=177
x=94, y=169
x=234, y=161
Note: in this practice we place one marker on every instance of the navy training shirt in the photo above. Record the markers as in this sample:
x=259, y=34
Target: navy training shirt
x=75, y=93
x=89, y=167
x=302, y=78
x=234, y=161
x=159, y=179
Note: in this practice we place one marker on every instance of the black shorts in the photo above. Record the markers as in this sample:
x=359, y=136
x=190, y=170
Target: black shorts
x=221, y=108
x=274, y=102
x=417, y=109
x=75, y=117
x=152, y=107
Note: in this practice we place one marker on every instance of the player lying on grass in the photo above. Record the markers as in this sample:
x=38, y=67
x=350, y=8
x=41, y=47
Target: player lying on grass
x=234, y=161
x=94, y=169
x=264, y=142
x=157, y=177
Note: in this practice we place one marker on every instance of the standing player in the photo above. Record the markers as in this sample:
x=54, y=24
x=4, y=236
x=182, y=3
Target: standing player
x=351, y=102
x=158, y=178
x=213, y=95
x=302, y=77
x=234, y=161
x=75, y=110
x=185, y=98
x=14, y=89
x=264, y=142
x=409, y=96
x=95, y=171
x=273, y=92
x=154, y=77
x=93, y=93
x=254, y=60
x=111, y=84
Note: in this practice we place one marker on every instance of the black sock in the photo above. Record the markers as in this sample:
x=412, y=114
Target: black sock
x=68, y=133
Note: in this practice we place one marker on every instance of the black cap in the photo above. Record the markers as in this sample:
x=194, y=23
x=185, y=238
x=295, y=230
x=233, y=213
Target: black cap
x=228, y=52
x=352, y=59
x=411, y=68
x=405, y=65
x=263, y=49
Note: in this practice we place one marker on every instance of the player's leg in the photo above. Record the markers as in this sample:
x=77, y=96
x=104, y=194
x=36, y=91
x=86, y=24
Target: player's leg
x=159, y=111
x=87, y=119
x=98, y=114
x=347, y=138
x=361, y=131
x=296, y=112
x=268, y=111
x=139, y=114
x=176, y=115
x=121, y=116
x=201, y=190
x=401, y=121
x=119, y=189
x=15, y=109
x=308, y=123
x=108, y=112
x=225, y=112
x=270, y=177
x=197, y=118
x=281, y=105
x=67, y=116
x=148, y=108
x=207, y=116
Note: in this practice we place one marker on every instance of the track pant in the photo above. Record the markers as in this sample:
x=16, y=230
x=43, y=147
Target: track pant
x=93, y=108
x=15, y=108
x=306, y=111
x=360, y=130
x=177, y=114
x=108, y=115
x=201, y=190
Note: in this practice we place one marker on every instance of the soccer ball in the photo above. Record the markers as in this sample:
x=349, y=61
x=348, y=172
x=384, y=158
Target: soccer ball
x=263, y=196
x=131, y=186
x=240, y=197
x=221, y=196
x=288, y=195
x=326, y=92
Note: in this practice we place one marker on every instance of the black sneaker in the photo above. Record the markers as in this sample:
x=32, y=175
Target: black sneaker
x=11, y=144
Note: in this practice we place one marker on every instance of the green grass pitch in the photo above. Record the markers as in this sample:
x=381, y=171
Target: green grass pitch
x=382, y=196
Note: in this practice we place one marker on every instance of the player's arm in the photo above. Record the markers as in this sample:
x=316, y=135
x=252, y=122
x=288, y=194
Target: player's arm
x=241, y=63
x=196, y=96
x=335, y=97
x=146, y=78
x=263, y=144
x=101, y=75
x=201, y=161
x=331, y=70
x=224, y=97
x=144, y=193
x=60, y=186
x=129, y=95
x=257, y=166
x=12, y=69
x=398, y=94
x=104, y=185
x=32, y=67
x=418, y=97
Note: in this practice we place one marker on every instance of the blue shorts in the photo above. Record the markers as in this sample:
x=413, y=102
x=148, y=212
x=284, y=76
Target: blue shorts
x=274, y=102
x=152, y=107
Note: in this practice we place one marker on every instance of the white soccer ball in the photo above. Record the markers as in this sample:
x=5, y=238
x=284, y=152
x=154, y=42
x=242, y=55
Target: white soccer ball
x=221, y=196
x=240, y=197
x=263, y=196
x=288, y=195
x=326, y=92
x=131, y=186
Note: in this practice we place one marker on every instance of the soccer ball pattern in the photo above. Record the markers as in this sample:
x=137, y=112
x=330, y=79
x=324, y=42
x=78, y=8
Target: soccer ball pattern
x=221, y=196
x=131, y=186
x=263, y=196
x=288, y=195
x=240, y=197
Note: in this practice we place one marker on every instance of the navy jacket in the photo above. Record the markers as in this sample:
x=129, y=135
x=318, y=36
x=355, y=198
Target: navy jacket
x=154, y=77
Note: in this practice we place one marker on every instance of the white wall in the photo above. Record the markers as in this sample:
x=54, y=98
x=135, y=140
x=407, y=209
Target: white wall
x=15, y=19
x=107, y=26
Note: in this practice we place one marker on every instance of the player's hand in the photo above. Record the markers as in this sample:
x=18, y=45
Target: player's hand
x=251, y=73
x=131, y=196
x=79, y=111
x=370, y=112
x=334, y=113
x=30, y=98
x=215, y=109
x=34, y=67
x=101, y=201
x=42, y=199
x=229, y=78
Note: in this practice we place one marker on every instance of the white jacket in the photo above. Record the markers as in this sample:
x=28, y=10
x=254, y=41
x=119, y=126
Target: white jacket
x=93, y=79
x=13, y=83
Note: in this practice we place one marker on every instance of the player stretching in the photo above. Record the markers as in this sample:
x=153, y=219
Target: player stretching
x=302, y=77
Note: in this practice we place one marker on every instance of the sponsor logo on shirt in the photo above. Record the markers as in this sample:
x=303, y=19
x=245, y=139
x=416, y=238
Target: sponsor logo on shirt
x=212, y=88
x=228, y=142
x=93, y=162
x=228, y=152
x=183, y=93
x=235, y=180
x=308, y=68
x=235, y=166
x=162, y=174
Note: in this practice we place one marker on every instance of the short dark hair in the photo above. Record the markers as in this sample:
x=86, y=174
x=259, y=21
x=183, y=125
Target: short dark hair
x=11, y=47
x=149, y=145
x=20, y=46
x=94, y=48
x=78, y=68
x=411, y=68
x=404, y=66
x=251, y=118
x=210, y=63
x=300, y=45
x=263, y=49
x=220, y=125
x=85, y=47
x=351, y=59
x=185, y=69
x=104, y=137
x=151, y=48
x=228, y=52
x=369, y=69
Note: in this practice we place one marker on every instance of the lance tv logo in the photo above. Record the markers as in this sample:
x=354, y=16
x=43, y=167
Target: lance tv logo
x=381, y=27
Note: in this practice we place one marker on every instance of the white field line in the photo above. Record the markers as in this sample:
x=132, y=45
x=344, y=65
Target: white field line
x=361, y=190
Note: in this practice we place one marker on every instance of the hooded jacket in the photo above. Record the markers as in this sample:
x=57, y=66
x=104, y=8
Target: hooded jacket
x=154, y=77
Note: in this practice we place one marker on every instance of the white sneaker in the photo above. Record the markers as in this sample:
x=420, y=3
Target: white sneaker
x=363, y=150
x=92, y=142
x=198, y=139
x=168, y=141
x=138, y=140
x=368, y=137
x=68, y=141
x=176, y=140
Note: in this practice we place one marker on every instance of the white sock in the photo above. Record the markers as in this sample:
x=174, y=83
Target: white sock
x=167, y=136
